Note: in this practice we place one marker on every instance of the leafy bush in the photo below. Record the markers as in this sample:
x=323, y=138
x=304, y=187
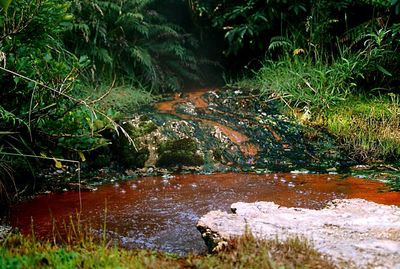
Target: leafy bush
x=40, y=109
x=131, y=39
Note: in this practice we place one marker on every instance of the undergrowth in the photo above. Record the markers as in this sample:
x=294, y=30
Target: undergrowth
x=245, y=252
x=126, y=98
x=366, y=123
x=307, y=85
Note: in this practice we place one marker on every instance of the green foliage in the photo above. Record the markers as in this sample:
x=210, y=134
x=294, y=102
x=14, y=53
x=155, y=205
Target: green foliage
x=320, y=87
x=246, y=23
x=41, y=110
x=301, y=83
x=132, y=39
x=125, y=98
x=4, y=5
x=322, y=26
x=39, y=91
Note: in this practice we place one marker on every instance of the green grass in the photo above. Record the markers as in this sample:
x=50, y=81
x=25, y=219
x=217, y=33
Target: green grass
x=367, y=127
x=299, y=82
x=124, y=98
x=322, y=94
x=244, y=252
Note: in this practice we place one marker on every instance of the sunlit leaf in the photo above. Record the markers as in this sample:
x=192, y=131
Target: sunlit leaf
x=82, y=156
x=57, y=163
x=4, y=4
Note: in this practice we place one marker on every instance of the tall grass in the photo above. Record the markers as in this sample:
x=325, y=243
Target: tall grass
x=367, y=127
x=325, y=93
x=124, y=98
x=301, y=82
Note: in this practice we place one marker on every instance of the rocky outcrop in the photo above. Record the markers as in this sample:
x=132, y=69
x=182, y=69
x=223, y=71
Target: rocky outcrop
x=232, y=130
x=351, y=231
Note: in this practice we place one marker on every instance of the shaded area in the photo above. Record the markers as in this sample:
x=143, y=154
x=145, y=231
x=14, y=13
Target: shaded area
x=162, y=213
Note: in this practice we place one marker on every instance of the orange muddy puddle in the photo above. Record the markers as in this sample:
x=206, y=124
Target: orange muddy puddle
x=161, y=213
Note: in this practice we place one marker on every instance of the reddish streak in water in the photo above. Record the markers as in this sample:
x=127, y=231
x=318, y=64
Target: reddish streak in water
x=162, y=214
x=195, y=97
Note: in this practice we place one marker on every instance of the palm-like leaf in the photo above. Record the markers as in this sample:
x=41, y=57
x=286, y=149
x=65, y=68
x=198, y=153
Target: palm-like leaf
x=133, y=40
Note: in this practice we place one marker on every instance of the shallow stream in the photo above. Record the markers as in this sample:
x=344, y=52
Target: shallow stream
x=161, y=213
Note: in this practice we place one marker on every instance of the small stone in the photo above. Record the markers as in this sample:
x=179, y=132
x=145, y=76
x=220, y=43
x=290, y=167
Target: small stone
x=301, y=171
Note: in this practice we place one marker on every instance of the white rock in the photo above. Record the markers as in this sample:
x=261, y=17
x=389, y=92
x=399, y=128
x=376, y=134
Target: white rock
x=356, y=231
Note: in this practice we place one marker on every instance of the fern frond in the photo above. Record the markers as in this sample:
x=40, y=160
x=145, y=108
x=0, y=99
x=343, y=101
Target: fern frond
x=141, y=55
x=103, y=56
x=280, y=42
x=359, y=33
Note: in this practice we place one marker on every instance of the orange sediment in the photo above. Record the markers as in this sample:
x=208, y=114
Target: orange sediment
x=196, y=98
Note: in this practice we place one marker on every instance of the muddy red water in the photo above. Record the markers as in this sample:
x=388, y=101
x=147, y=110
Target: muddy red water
x=161, y=214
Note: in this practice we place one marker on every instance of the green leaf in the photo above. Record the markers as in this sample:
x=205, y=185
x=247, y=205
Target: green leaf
x=383, y=70
x=4, y=5
x=82, y=156
x=57, y=163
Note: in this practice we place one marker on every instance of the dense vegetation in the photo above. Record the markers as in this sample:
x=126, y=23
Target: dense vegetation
x=71, y=71
x=333, y=63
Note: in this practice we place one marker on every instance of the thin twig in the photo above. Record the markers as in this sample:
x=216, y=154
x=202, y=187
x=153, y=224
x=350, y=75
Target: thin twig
x=104, y=95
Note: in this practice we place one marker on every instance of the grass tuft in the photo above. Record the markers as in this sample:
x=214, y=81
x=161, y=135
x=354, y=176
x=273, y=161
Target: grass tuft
x=125, y=98
x=18, y=251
